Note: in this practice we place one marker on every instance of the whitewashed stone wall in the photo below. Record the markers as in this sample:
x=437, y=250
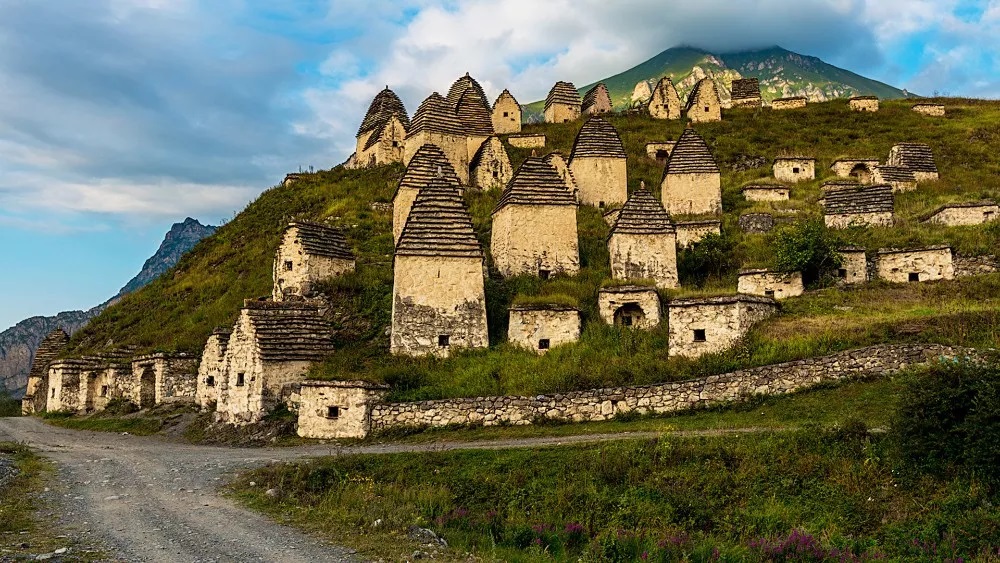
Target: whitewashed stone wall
x=160, y=378
x=337, y=409
x=933, y=110
x=211, y=370
x=64, y=385
x=561, y=113
x=506, y=115
x=660, y=151
x=853, y=266
x=540, y=328
x=601, y=181
x=455, y=147
x=690, y=232
x=527, y=141
x=960, y=215
x=701, y=326
x=527, y=239
x=863, y=104
x=604, y=404
x=779, y=285
x=631, y=305
x=794, y=169
x=789, y=103
x=296, y=271
x=849, y=168
x=388, y=149
x=846, y=220
x=644, y=257
x=692, y=194
x=916, y=265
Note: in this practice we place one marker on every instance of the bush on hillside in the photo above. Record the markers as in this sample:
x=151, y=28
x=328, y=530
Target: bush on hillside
x=9, y=406
x=713, y=256
x=810, y=248
x=948, y=421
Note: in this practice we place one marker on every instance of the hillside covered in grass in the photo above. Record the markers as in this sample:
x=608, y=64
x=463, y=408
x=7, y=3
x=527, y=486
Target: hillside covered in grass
x=206, y=289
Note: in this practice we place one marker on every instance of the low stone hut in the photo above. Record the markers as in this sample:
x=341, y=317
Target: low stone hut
x=291, y=178
x=439, y=302
x=917, y=158
x=269, y=352
x=968, y=213
x=794, y=169
x=630, y=306
x=598, y=163
x=704, y=325
x=212, y=368
x=642, y=243
x=309, y=253
x=436, y=123
x=330, y=410
x=506, y=114
x=863, y=103
x=860, y=170
x=64, y=384
x=428, y=162
x=746, y=93
x=863, y=206
x=904, y=265
x=527, y=141
x=490, y=167
x=102, y=382
x=541, y=327
x=36, y=394
x=381, y=136
x=660, y=151
x=163, y=378
x=534, y=224
x=901, y=179
x=664, y=102
x=853, y=265
x=793, y=102
x=557, y=162
x=691, y=232
x=692, y=182
x=933, y=110
x=703, y=103
x=779, y=285
x=597, y=100
x=563, y=103
x=765, y=192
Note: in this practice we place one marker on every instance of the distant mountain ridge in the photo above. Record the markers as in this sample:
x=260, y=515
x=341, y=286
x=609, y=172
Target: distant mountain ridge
x=18, y=343
x=781, y=73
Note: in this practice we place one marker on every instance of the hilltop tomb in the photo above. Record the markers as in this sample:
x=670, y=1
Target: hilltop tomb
x=863, y=103
x=704, y=325
x=902, y=265
x=859, y=206
x=382, y=133
x=629, y=306
x=490, y=167
x=746, y=93
x=309, y=253
x=428, y=162
x=765, y=192
x=703, y=103
x=664, y=102
x=563, y=103
x=596, y=101
x=506, y=114
x=793, y=102
x=642, y=243
x=915, y=157
x=436, y=123
x=540, y=327
x=779, y=285
x=968, y=213
x=794, y=169
x=534, y=224
x=598, y=163
x=692, y=182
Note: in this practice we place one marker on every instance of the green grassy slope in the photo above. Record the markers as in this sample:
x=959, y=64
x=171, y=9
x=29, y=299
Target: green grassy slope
x=206, y=289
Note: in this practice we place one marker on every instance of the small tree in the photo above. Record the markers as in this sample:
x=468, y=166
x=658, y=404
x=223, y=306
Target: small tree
x=808, y=247
x=713, y=255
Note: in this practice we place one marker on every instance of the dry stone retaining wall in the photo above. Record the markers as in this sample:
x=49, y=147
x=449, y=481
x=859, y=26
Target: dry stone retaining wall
x=602, y=404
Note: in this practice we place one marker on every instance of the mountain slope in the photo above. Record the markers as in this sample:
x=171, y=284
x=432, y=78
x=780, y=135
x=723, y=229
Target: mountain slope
x=781, y=73
x=18, y=343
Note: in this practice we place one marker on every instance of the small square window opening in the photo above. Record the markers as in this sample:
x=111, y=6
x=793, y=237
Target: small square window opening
x=543, y=344
x=699, y=335
x=544, y=274
x=210, y=381
x=288, y=265
x=444, y=340
x=240, y=379
x=842, y=273
x=914, y=277
x=333, y=412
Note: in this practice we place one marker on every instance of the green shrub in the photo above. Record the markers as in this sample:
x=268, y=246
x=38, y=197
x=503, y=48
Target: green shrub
x=948, y=422
x=9, y=406
x=713, y=256
x=807, y=247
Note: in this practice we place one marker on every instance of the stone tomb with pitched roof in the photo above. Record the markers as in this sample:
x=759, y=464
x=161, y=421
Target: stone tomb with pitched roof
x=35, y=396
x=439, y=301
x=664, y=103
x=490, y=167
x=918, y=158
x=703, y=103
x=506, y=114
x=746, y=93
x=563, y=103
x=642, y=243
x=858, y=206
x=309, y=253
x=437, y=123
x=534, y=224
x=692, y=182
x=428, y=162
x=541, y=327
x=598, y=163
x=382, y=134
x=596, y=101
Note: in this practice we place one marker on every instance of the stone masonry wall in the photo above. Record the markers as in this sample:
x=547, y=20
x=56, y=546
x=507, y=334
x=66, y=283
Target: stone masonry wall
x=926, y=264
x=853, y=266
x=791, y=103
x=647, y=256
x=933, y=110
x=506, y=116
x=529, y=326
x=690, y=232
x=527, y=141
x=780, y=285
x=756, y=222
x=561, y=113
x=966, y=215
x=863, y=104
x=845, y=220
x=794, y=169
x=296, y=271
x=603, y=404
x=529, y=238
x=600, y=181
x=975, y=265
x=692, y=194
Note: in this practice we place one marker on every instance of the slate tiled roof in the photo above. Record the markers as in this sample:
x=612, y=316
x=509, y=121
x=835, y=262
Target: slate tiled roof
x=764, y=187
x=436, y=115
x=917, y=157
x=439, y=224
x=643, y=214
x=322, y=240
x=895, y=174
x=563, y=93
x=465, y=83
x=475, y=117
x=860, y=199
x=385, y=104
x=696, y=92
x=745, y=88
x=690, y=156
x=485, y=148
x=597, y=94
x=289, y=331
x=506, y=93
x=51, y=346
x=597, y=139
x=423, y=167
x=790, y=99
x=379, y=128
x=535, y=183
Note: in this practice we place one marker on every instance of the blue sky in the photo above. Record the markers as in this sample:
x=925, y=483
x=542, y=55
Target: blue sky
x=121, y=117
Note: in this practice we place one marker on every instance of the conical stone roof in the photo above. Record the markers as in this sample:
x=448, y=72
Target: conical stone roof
x=597, y=94
x=475, y=117
x=289, y=331
x=424, y=167
x=690, y=156
x=463, y=84
x=702, y=87
x=439, y=224
x=436, y=115
x=505, y=94
x=535, y=183
x=597, y=139
x=51, y=346
x=385, y=104
x=643, y=214
x=563, y=93
x=323, y=240
x=917, y=157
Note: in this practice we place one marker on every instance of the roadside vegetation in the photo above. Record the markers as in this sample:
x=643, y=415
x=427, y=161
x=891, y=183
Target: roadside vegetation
x=9, y=406
x=819, y=493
